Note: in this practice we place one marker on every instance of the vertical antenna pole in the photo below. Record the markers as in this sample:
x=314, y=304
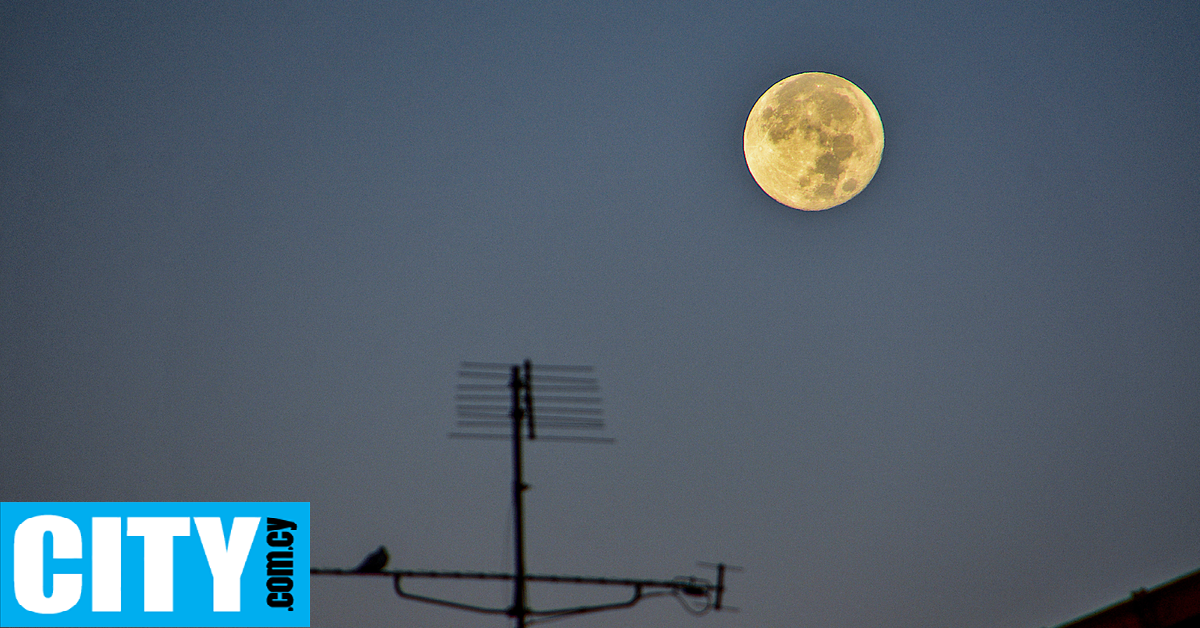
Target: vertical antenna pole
x=529, y=397
x=520, y=607
x=720, y=585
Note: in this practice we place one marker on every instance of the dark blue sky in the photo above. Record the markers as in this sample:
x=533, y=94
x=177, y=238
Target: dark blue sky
x=243, y=248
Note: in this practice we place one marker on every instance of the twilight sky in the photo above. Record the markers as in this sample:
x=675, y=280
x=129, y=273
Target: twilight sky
x=244, y=247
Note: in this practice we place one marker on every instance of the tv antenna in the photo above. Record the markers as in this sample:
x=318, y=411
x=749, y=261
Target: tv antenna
x=572, y=405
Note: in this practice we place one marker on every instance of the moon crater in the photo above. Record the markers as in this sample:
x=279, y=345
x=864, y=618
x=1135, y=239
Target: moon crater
x=813, y=141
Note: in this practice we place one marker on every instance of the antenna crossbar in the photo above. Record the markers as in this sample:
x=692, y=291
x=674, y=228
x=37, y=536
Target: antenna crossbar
x=677, y=583
x=683, y=586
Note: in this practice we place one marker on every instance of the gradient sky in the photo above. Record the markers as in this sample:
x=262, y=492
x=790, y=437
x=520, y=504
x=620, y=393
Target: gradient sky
x=244, y=247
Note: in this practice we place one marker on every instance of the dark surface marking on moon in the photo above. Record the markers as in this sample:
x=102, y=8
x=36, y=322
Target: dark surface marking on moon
x=836, y=107
x=828, y=166
x=779, y=125
x=842, y=145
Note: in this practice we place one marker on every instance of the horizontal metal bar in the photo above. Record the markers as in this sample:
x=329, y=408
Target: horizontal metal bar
x=570, y=425
x=543, y=388
x=559, y=399
x=483, y=387
x=558, y=417
x=538, y=420
x=444, y=602
x=482, y=397
x=462, y=407
x=678, y=583
x=563, y=379
x=486, y=365
x=562, y=368
x=549, y=437
x=576, y=439
x=483, y=374
x=558, y=613
x=569, y=410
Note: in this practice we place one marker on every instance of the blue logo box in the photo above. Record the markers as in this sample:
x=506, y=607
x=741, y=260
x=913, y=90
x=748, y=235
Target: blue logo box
x=154, y=564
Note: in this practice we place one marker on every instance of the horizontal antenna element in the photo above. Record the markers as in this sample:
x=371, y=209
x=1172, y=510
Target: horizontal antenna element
x=567, y=399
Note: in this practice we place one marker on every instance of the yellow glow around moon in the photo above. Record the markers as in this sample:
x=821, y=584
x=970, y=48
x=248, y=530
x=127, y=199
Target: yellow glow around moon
x=813, y=141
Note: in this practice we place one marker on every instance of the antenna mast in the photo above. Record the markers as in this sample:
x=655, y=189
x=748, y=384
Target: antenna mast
x=520, y=608
x=478, y=406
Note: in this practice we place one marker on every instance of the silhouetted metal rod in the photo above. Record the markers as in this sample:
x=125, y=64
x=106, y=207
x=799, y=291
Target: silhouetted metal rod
x=471, y=417
x=564, y=424
x=572, y=419
x=504, y=366
x=691, y=586
x=485, y=415
x=495, y=366
x=557, y=399
x=498, y=410
x=484, y=387
x=520, y=606
x=481, y=375
x=721, y=569
x=560, y=388
x=574, y=368
x=549, y=437
x=570, y=416
x=479, y=405
x=570, y=410
x=565, y=379
x=482, y=408
x=527, y=612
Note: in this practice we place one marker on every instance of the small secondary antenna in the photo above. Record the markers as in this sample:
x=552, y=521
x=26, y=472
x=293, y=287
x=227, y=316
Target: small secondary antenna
x=570, y=404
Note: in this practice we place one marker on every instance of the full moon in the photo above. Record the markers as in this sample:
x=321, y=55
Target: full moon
x=813, y=141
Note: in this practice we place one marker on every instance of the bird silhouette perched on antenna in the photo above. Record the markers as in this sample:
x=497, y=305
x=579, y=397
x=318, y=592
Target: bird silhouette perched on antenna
x=374, y=562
